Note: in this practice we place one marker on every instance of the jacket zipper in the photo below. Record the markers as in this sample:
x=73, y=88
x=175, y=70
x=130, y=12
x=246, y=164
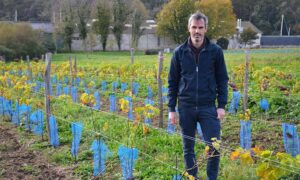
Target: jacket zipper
x=197, y=88
x=197, y=69
x=197, y=72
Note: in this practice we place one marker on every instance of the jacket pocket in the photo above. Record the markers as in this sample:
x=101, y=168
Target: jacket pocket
x=204, y=84
x=186, y=87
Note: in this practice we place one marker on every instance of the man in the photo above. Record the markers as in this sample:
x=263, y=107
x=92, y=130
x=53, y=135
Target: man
x=198, y=77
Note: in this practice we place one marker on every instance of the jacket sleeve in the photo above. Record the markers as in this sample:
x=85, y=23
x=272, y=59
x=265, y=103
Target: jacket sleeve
x=173, y=81
x=221, y=79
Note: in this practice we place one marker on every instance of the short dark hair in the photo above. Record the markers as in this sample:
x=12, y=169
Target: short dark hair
x=197, y=16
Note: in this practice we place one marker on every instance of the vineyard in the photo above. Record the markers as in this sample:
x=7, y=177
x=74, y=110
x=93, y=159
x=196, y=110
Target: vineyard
x=102, y=116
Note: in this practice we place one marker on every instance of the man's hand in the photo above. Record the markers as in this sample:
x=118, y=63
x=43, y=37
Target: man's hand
x=221, y=113
x=172, y=116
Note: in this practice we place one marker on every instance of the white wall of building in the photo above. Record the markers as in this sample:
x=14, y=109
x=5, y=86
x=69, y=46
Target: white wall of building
x=146, y=41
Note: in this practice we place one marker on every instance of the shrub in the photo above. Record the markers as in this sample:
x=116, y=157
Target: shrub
x=223, y=42
x=151, y=51
x=48, y=42
x=19, y=39
x=6, y=53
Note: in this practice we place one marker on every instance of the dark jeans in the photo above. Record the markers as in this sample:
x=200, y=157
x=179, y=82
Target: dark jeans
x=210, y=126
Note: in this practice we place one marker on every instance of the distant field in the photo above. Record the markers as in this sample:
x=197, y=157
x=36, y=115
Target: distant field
x=278, y=58
x=100, y=58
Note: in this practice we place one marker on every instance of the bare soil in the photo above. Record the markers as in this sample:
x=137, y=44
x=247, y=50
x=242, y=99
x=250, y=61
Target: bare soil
x=17, y=161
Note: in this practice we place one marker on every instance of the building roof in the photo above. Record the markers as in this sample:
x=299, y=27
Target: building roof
x=44, y=26
x=241, y=25
x=280, y=41
x=247, y=24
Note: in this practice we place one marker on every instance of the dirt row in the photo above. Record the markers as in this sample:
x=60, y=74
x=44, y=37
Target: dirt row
x=18, y=161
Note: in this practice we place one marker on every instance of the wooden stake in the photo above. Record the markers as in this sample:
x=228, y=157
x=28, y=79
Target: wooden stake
x=75, y=68
x=47, y=91
x=71, y=72
x=159, y=82
x=132, y=55
x=29, y=75
x=246, y=81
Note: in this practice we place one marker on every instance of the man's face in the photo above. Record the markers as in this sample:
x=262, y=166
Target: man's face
x=197, y=31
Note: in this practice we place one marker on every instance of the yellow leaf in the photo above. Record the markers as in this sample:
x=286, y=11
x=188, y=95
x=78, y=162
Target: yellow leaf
x=185, y=174
x=189, y=177
x=206, y=150
x=27, y=101
x=105, y=127
x=124, y=105
x=246, y=158
x=261, y=170
x=145, y=129
x=256, y=150
x=298, y=158
x=234, y=155
x=84, y=98
x=241, y=116
x=216, y=143
x=214, y=139
x=266, y=153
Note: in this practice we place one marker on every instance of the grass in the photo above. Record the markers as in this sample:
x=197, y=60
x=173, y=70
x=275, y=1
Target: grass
x=102, y=58
x=30, y=169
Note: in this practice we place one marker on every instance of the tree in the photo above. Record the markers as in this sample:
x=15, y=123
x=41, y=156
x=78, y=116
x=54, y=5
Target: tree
x=68, y=32
x=28, y=10
x=139, y=14
x=120, y=13
x=223, y=42
x=102, y=23
x=82, y=18
x=266, y=14
x=154, y=6
x=244, y=9
x=296, y=28
x=91, y=40
x=68, y=27
x=172, y=20
x=291, y=11
x=221, y=19
x=247, y=36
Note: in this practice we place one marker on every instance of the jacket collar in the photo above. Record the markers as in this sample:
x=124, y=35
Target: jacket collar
x=186, y=46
